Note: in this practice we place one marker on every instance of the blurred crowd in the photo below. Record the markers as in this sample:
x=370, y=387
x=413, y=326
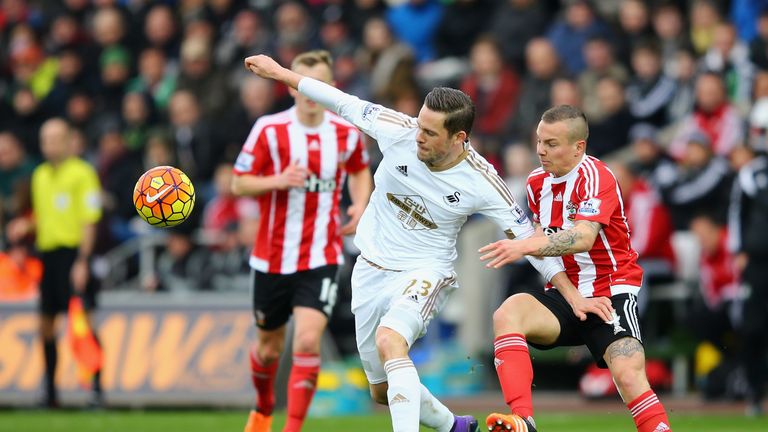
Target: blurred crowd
x=676, y=93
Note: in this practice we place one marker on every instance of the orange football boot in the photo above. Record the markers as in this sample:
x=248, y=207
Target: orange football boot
x=258, y=422
x=509, y=423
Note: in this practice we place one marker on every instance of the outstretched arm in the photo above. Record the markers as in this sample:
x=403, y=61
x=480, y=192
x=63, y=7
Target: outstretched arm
x=266, y=67
x=579, y=238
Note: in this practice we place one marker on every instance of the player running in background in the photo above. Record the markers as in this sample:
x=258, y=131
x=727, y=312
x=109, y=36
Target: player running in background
x=429, y=181
x=296, y=162
x=576, y=200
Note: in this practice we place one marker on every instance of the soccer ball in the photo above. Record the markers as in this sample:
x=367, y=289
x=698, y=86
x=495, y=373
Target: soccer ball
x=164, y=196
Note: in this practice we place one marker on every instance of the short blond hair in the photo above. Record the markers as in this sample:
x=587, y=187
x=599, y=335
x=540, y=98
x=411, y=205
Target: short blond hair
x=311, y=58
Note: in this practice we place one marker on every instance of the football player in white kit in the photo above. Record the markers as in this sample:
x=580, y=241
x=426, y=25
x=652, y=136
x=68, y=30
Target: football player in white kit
x=427, y=184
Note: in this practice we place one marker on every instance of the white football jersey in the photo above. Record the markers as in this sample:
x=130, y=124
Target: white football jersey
x=415, y=212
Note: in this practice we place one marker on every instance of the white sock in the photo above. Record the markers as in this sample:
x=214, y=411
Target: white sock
x=404, y=394
x=433, y=413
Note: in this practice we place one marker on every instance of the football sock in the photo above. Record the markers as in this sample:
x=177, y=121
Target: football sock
x=513, y=366
x=96, y=380
x=433, y=414
x=649, y=413
x=263, y=378
x=404, y=394
x=49, y=352
x=301, y=387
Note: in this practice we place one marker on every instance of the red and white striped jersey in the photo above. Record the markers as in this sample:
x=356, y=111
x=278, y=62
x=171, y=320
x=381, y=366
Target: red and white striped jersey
x=589, y=192
x=299, y=227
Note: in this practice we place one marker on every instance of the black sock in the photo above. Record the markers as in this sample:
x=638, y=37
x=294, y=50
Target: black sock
x=96, y=382
x=49, y=351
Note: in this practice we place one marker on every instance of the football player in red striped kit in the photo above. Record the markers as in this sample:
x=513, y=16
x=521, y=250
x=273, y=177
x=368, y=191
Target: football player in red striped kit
x=576, y=201
x=295, y=162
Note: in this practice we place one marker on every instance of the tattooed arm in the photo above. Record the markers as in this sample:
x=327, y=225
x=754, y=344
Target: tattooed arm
x=579, y=238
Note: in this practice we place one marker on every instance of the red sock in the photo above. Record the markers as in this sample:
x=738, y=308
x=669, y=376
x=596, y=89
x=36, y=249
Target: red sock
x=649, y=413
x=513, y=365
x=301, y=388
x=263, y=378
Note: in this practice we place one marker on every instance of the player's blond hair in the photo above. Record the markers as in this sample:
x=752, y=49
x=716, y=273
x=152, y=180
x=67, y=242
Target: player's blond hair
x=578, y=129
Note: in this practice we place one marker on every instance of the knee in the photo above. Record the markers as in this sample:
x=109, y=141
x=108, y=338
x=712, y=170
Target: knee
x=307, y=343
x=390, y=344
x=630, y=380
x=269, y=350
x=510, y=316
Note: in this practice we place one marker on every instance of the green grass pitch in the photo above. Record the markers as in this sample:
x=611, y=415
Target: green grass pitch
x=210, y=421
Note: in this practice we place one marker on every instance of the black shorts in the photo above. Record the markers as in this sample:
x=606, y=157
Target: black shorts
x=593, y=332
x=275, y=295
x=56, y=284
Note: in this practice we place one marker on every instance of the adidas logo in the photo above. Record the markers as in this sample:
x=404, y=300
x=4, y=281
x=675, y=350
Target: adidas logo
x=559, y=197
x=662, y=427
x=307, y=384
x=398, y=398
x=403, y=169
x=497, y=362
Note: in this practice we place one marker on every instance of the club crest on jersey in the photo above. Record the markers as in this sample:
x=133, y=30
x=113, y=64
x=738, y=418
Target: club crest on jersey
x=571, y=208
x=590, y=207
x=452, y=199
x=411, y=211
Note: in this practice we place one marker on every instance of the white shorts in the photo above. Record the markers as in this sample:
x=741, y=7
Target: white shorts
x=404, y=301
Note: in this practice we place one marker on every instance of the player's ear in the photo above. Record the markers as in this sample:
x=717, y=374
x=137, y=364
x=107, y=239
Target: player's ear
x=581, y=147
x=461, y=136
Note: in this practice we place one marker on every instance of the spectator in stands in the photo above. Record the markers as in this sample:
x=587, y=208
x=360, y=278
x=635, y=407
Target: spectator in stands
x=154, y=77
x=20, y=273
x=704, y=18
x=610, y=132
x=715, y=314
x=196, y=152
x=70, y=78
x=389, y=62
x=461, y=24
x=571, y=32
x=138, y=118
x=114, y=73
x=634, y=28
x=514, y=23
x=15, y=173
x=294, y=31
x=713, y=116
x=543, y=67
x=684, y=96
x=758, y=48
x=650, y=90
x=701, y=184
x=492, y=86
x=209, y=85
x=749, y=241
x=161, y=31
x=182, y=265
x=415, y=22
x=729, y=57
x=601, y=63
x=669, y=26
x=651, y=226
x=649, y=160
x=248, y=34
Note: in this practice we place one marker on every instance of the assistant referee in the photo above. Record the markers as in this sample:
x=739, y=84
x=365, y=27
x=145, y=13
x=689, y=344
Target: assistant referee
x=66, y=208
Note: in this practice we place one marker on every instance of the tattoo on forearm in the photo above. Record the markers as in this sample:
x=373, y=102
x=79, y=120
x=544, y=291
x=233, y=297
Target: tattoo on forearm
x=560, y=243
x=626, y=347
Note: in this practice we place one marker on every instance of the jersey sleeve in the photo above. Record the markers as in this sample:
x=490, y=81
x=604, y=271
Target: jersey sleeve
x=499, y=205
x=89, y=196
x=599, y=198
x=384, y=125
x=358, y=158
x=254, y=155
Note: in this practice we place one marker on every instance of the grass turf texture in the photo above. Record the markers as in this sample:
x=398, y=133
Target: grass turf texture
x=199, y=421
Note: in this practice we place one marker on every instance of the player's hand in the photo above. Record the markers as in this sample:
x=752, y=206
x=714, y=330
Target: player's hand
x=293, y=176
x=501, y=252
x=600, y=306
x=354, y=212
x=79, y=275
x=263, y=66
